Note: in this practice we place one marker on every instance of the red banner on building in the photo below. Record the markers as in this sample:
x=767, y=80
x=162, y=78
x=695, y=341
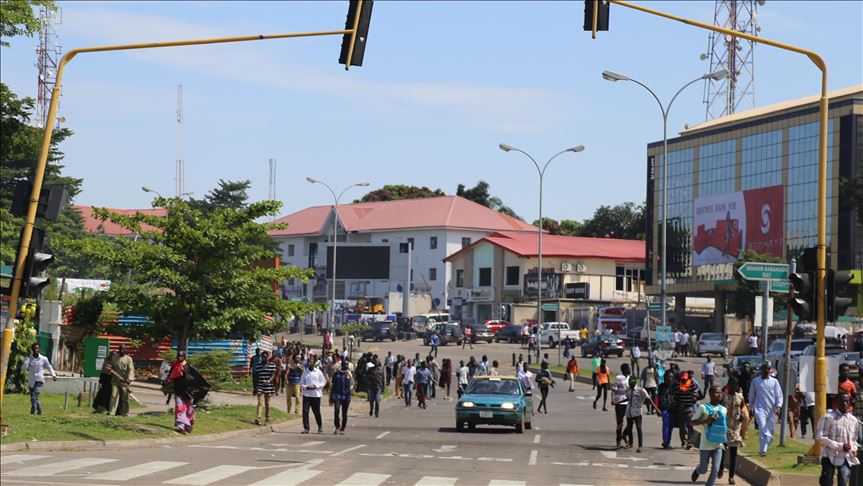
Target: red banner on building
x=765, y=220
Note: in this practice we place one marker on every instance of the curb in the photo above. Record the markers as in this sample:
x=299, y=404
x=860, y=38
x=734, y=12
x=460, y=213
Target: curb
x=758, y=475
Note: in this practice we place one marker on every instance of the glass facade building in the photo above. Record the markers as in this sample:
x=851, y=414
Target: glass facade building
x=748, y=181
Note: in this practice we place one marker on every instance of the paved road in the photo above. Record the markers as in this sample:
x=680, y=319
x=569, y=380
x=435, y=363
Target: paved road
x=572, y=445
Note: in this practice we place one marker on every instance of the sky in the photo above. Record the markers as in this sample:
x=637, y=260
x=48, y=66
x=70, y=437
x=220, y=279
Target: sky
x=443, y=83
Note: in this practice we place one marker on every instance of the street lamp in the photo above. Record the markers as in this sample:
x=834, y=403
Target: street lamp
x=614, y=77
x=147, y=189
x=541, y=172
x=336, y=199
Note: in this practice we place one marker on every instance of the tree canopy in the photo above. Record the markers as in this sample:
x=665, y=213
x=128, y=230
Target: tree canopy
x=400, y=191
x=229, y=194
x=17, y=18
x=480, y=195
x=625, y=221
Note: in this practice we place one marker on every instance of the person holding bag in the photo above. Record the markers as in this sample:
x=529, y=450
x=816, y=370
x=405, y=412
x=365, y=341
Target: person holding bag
x=713, y=416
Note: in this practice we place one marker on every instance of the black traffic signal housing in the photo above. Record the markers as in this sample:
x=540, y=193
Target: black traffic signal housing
x=52, y=200
x=804, y=302
x=601, y=15
x=359, y=16
x=35, y=264
x=838, y=296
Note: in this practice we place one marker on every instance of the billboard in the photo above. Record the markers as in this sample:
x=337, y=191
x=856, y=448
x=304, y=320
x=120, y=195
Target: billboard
x=550, y=285
x=728, y=224
x=360, y=262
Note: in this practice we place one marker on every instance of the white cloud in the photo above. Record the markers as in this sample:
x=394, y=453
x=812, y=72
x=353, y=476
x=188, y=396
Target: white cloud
x=491, y=108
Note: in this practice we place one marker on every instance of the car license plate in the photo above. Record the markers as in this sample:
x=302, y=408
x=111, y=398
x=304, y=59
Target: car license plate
x=486, y=414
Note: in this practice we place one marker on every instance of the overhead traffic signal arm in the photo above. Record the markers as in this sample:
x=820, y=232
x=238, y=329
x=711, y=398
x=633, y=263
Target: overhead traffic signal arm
x=354, y=41
x=596, y=15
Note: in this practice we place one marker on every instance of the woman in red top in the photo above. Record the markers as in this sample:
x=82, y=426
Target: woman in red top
x=572, y=372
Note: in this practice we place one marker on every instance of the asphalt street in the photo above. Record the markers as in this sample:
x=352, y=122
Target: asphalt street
x=571, y=445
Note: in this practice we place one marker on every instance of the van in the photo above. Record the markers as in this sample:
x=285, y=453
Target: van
x=422, y=322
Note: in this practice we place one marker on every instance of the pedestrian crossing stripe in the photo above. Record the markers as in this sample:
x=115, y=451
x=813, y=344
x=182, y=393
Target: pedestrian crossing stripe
x=211, y=475
x=13, y=458
x=133, y=472
x=291, y=477
x=364, y=479
x=60, y=467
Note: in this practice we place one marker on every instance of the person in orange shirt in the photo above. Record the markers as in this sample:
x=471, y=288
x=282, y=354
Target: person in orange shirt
x=845, y=384
x=601, y=385
x=572, y=371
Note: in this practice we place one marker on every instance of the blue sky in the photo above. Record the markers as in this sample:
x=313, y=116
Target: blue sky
x=442, y=84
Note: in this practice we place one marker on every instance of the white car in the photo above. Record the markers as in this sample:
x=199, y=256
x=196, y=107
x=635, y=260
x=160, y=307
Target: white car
x=553, y=333
x=712, y=343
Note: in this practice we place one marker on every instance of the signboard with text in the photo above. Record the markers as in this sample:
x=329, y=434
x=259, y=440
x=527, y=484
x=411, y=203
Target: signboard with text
x=577, y=290
x=550, y=285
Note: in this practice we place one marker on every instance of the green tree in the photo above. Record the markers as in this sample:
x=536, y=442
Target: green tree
x=550, y=225
x=399, y=191
x=741, y=301
x=198, y=273
x=229, y=194
x=480, y=195
x=625, y=221
x=570, y=227
x=851, y=191
x=17, y=18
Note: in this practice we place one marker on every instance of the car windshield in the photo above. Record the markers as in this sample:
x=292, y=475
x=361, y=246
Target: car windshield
x=711, y=337
x=493, y=386
x=799, y=345
x=778, y=345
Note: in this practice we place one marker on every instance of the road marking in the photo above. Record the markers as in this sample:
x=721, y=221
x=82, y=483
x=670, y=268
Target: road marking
x=310, y=443
x=19, y=458
x=536, y=438
x=571, y=463
x=382, y=435
x=133, y=472
x=436, y=481
x=60, y=467
x=290, y=477
x=311, y=451
x=211, y=475
x=446, y=448
x=345, y=451
x=494, y=459
x=532, y=460
x=364, y=479
x=504, y=482
x=613, y=455
x=456, y=458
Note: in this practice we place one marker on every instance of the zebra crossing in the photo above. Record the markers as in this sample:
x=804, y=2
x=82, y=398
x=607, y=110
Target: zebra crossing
x=25, y=468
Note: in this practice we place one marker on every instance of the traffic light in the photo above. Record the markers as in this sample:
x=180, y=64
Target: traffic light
x=601, y=15
x=34, y=265
x=837, y=285
x=359, y=17
x=52, y=199
x=804, y=302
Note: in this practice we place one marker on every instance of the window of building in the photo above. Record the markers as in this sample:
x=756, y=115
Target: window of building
x=432, y=273
x=511, y=275
x=465, y=242
x=485, y=277
x=433, y=243
x=290, y=250
x=628, y=279
x=618, y=278
x=717, y=168
x=459, y=278
x=761, y=160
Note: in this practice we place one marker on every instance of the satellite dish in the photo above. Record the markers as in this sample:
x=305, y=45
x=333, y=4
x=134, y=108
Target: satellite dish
x=703, y=56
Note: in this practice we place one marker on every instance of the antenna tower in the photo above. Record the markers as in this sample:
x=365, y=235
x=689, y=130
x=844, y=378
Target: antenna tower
x=180, y=156
x=737, y=91
x=271, y=188
x=47, y=57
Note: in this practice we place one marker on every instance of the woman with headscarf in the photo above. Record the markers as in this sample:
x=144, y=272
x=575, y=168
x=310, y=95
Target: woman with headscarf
x=103, y=397
x=737, y=423
x=184, y=410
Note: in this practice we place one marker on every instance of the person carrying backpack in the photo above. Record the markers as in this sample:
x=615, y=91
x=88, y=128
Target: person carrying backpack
x=713, y=416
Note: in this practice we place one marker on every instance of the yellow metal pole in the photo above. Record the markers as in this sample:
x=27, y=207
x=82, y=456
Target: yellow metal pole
x=39, y=175
x=353, y=41
x=821, y=244
x=595, y=15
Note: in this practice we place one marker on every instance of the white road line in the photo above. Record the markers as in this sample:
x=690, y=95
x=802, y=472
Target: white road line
x=290, y=477
x=19, y=458
x=314, y=451
x=382, y=435
x=345, y=451
x=504, y=482
x=532, y=460
x=536, y=438
x=310, y=443
x=60, y=467
x=568, y=484
x=364, y=479
x=210, y=475
x=436, y=481
x=133, y=472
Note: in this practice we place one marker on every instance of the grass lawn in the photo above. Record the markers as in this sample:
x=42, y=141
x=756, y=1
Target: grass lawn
x=780, y=459
x=244, y=384
x=80, y=424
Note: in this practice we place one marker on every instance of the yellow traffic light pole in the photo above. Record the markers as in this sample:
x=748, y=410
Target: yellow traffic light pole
x=821, y=245
x=9, y=329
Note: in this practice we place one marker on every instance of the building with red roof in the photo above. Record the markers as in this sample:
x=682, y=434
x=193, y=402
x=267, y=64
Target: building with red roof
x=495, y=277
x=93, y=224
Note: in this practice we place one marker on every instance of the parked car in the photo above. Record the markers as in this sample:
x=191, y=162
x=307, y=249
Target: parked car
x=449, y=332
x=424, y=322
x=380, y=330
x=754, y=361
x=554, y=333
x=495, y=400
x=513, y=333
x=777, y=348
x=712, y=343
x=829, y=350
x=495, y=325
x=481, y=333
x=606, y=344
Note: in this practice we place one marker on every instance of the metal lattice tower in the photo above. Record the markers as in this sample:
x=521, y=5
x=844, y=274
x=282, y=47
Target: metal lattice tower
x=737, y=91
x=180, y=149
x=271, y=188
x=48, y=54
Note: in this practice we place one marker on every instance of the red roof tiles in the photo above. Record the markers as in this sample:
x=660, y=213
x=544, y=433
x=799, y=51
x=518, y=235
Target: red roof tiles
x=526, y=245
x=93, y=224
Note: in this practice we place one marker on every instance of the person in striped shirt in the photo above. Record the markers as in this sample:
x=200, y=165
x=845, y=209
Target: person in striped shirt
x=264, y=387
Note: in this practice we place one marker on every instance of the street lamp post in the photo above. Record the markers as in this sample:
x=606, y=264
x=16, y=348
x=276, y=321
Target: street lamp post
x=612, y=76
x=332, y=320
x=541, y=172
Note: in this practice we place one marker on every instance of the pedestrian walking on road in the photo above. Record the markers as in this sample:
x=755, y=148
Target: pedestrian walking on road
x=184, y=406
x=434, y=342
x=807, y=410
x=636, y=396
x=685, y=397
x=399, y=387
x=293, y=388
x=572, y=372
x=423, y=380
x=492, y=370
x=463, y=376
x=123, y=370
x=35, y=366
x=375, y=381
x=708, y=372
x=545, y=380
x=472, y=367
x=713, y=416
x=433, y=367
x=525, y=376
x=340, y=397
x=620, y=400
x=389, y=364
x=668, y=406
x=408, y=373
x=103, y=396
x=649, y=380
x=601, y=385
x=837, y=432
x=753, y=343
x=266, y=373
x=468, y=337
x=445, y=378
x=312, y=383
x=634, y=355
x=738, y=424
x=254, y=361
x=483, y=366
x=765, y=398
x=594, y=365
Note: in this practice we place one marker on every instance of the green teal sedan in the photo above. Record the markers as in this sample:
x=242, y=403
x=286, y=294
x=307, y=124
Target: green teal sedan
x=495, y=400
